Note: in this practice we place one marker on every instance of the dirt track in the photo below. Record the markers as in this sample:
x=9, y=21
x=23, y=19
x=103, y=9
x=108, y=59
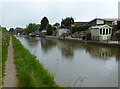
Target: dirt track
x=10, y=78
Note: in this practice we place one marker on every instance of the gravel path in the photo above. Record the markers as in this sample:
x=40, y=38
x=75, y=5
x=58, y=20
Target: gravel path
x=10, y=78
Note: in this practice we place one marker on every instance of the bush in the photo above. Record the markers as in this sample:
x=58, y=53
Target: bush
x=77, y=28
x=49, y=29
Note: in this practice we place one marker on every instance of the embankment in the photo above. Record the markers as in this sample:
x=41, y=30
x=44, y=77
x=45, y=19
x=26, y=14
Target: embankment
x=29, y=70
x=5, y=44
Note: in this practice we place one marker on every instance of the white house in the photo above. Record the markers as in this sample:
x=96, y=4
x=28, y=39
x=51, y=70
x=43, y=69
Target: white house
x=100, y=32
x=62, y=31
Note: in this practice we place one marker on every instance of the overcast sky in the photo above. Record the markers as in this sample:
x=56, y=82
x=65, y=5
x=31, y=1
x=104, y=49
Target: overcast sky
x=19, y=13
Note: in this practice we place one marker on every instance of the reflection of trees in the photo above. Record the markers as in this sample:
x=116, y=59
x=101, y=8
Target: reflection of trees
x=47, y=44
x=67, y=52
x=67, y=48
x=32, y=41
x=103, y=52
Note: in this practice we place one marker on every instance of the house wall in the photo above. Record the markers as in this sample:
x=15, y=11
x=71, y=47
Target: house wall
x=108, y=22
x=92, y=22
x=61, y=31
x=99, y=21
x=95, y=34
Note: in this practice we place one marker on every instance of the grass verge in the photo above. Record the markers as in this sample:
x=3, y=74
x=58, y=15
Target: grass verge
x=3, y=50
x=30, y=72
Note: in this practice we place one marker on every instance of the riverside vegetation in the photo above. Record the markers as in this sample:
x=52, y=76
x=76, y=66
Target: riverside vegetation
x=3, y=51
x=29, y=70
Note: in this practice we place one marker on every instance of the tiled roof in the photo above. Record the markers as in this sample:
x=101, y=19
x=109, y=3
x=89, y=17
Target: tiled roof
x=109, y=19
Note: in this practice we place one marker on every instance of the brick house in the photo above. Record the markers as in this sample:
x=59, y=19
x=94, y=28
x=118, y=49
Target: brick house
x=102, y=21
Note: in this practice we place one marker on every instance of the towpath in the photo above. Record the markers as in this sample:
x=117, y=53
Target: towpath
x=10, y=78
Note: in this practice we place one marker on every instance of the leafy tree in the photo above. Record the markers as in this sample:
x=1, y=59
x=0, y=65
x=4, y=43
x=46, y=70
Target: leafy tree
x=110, y=25
x=11, y=30
x=32, y=27
x=44, y=23
x=56, y=24
x=67, y=22
x=40, y=29
x=49, y=29
x=77, y=28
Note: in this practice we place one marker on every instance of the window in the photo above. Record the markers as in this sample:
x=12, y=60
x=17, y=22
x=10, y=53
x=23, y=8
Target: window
x=103, y=31
x=109, y=31
x=100, y=31
x=106, y=31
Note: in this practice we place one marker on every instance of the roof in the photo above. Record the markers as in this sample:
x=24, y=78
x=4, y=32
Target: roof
x=109, y=19
x=99, y=26
x=18, y=29
x=81, y=23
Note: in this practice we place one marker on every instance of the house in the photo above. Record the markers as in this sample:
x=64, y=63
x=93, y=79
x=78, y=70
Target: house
x=18, y=30
x=102, y=21
x=63, y=31
x=80, y=23
x=116, y=26
x=100, y=32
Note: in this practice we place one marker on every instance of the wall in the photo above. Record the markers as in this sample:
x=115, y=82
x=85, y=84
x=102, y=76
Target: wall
x=94, y=34
x=100, y=21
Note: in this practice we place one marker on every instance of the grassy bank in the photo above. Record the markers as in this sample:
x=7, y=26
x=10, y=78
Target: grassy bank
x=4, y=43
x=30, y=72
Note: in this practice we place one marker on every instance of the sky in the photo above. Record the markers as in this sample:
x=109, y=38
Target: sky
x=19, y=13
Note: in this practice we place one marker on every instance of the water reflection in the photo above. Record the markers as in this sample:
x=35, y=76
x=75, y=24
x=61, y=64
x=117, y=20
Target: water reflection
x=76, y=64
x=47, y=44
x=68, y=48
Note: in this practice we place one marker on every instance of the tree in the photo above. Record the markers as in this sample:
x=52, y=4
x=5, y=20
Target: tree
x=32, y=27
x=49, y=29
x=67, y=22
x=56, y=24
x=11, y=30
x=44, y=23
x=78, y=28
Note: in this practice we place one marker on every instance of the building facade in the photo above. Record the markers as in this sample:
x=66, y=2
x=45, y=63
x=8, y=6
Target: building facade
x=101, y=32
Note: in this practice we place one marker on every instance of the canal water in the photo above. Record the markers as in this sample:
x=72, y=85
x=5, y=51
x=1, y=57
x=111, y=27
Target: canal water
x=76, y=64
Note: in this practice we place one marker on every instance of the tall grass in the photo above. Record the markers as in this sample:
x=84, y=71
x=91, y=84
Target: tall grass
x=30, y=72
x=0, y=57
x=4, y=50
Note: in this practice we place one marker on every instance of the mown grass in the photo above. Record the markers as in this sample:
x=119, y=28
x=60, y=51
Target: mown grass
x=3, y=50
x=29, y=71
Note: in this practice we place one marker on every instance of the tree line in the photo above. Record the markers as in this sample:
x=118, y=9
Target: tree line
x=67, y=23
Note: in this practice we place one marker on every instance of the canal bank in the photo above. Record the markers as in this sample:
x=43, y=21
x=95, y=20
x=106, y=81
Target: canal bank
x=76, y=64
x=30, y=71
x=104, y=43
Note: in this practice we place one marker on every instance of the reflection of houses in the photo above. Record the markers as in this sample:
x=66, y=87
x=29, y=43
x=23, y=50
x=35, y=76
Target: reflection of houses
x=99, y=51
x=101, y=32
